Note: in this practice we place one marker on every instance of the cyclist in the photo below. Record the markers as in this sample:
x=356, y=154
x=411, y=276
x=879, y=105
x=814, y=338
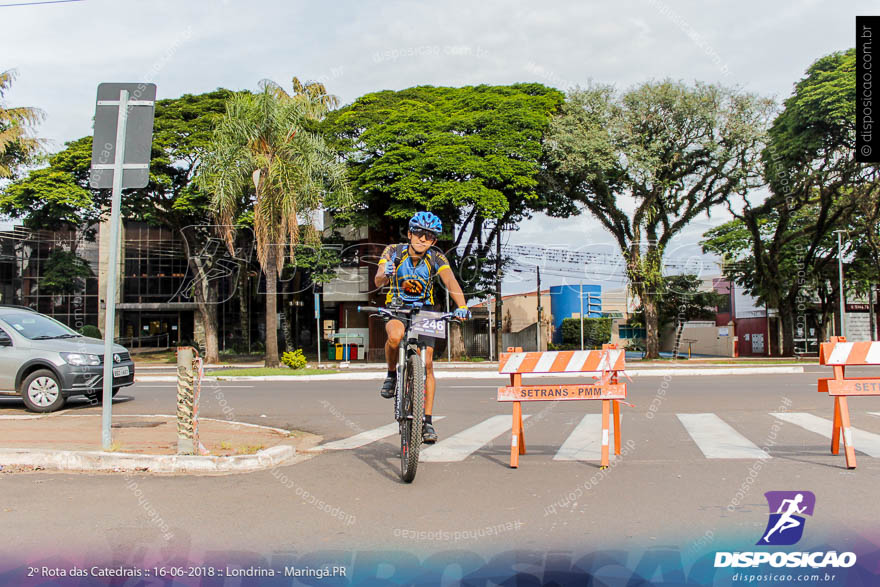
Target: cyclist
x=410, y=268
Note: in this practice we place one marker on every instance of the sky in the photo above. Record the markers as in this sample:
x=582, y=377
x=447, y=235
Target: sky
x=63, y=51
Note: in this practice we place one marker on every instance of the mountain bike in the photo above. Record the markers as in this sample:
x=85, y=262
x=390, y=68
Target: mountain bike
x=409, y=393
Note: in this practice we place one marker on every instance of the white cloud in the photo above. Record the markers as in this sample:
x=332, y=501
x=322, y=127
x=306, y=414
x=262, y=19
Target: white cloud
x=63, y=51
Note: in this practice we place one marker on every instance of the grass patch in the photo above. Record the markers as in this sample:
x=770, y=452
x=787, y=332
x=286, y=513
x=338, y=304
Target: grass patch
x=225, y=445
x=249, y=449
x=267, y=371
x=115, y=446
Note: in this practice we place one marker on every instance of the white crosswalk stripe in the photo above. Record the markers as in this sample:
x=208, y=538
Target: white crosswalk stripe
x=719, y=440
x=715, y=438
x=366, y=437
x=863, y=441
x=585, y=441
x=460, y=446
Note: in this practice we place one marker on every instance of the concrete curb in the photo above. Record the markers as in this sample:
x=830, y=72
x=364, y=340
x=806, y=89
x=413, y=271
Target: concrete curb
x=93, y=461
x=376, y=376
x=100, y=461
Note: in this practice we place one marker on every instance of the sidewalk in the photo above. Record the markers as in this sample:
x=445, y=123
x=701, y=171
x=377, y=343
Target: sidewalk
x=376, y=371
x=142, y=443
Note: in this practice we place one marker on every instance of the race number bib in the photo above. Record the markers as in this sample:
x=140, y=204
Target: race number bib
x=429, y=324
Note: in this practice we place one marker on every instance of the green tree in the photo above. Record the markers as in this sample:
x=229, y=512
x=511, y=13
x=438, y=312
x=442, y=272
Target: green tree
x=64, y=273
x=59, y=195
x=468, y=154
x=817, y=282
x=266, y=141
x=680, y=300
x=667, y=151
x=18, y=146
x=815, y=184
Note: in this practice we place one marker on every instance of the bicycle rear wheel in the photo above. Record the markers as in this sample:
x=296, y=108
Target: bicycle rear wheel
x=414, y=411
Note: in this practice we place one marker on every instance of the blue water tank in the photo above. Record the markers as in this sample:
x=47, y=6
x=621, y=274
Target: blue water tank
x=565, y=302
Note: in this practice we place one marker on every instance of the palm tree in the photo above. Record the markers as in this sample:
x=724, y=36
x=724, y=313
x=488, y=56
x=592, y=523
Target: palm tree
x=17, y=145
x=266, y=143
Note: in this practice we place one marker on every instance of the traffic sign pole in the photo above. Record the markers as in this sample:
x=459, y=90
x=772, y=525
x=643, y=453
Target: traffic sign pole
x=318, y=336
x=131, y=123
x=112, y=269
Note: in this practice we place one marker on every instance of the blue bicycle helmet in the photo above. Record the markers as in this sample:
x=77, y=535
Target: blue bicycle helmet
x=426, y=221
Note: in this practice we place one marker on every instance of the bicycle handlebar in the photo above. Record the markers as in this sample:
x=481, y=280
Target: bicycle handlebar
x=390, y=311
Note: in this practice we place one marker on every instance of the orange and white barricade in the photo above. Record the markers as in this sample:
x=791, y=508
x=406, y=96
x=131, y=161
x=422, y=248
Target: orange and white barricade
x=609, y=362
x=839, y=354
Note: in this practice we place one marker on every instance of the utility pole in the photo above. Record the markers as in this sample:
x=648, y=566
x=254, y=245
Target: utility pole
x=498, y=342
x=539, y=307
x=492, y=355
x=873, y=317
x=582, y=315
x=842, y=329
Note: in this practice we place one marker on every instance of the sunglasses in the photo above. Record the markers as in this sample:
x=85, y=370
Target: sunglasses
x=425, y=234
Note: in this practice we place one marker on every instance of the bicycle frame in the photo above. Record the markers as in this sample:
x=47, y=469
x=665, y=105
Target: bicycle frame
x=409, y=397
x=409, y=343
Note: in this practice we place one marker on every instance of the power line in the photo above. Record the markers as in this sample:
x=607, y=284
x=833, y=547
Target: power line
x=39, y=2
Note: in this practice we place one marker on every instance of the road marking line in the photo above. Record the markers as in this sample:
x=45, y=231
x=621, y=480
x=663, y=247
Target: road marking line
x=366, y=437
x=584, y=442
x=862, y=440
x=460, y=446
x=717, y=439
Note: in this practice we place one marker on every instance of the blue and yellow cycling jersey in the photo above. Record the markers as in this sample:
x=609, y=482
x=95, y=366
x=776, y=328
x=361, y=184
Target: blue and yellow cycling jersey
x=413, y=279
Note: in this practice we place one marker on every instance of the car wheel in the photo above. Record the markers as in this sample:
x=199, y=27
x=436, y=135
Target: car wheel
x=41, y=391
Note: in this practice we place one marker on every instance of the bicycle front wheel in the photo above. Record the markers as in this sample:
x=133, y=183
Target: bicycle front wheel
x=414, y=411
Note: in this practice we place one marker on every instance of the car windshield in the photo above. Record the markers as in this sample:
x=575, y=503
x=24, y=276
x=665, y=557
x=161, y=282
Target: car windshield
x=36, y=326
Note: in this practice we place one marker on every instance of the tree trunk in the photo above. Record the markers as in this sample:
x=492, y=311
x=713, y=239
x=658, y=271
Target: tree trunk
x=244, y=296
x=209, y=320
x=271, y=309
x=205, y=295
x=786, y=323
x=271, y=312
x=652, y=338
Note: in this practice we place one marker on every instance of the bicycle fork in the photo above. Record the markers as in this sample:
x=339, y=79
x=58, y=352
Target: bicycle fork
x=401, y=382
x=401, y=370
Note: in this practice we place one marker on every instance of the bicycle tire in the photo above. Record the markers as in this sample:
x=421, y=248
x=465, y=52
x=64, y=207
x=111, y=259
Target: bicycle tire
x=411, y=428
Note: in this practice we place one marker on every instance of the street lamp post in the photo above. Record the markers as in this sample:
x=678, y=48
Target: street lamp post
x=539, y=308
x=498, y=300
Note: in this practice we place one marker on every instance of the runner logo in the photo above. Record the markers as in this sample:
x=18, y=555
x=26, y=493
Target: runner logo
x=786, y=525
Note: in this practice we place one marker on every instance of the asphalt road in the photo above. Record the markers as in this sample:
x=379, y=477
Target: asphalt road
x=685, y=479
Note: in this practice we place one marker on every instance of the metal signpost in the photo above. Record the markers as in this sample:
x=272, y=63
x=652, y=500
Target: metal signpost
x=120, y=159
x=840, y=275
x=319, y=336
